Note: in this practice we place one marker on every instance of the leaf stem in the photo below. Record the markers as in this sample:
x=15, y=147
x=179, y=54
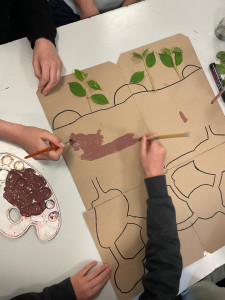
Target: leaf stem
x=88, y=96
x=149, y=76
x=175, y=68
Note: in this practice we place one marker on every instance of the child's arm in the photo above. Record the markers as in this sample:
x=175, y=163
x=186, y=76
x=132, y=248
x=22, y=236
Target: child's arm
x=84, y=285
x=163, y=258
x=31, y=139
x=86, y=8
x=38, y=26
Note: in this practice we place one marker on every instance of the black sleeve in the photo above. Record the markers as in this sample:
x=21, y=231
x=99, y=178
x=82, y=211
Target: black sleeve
x=60, y=291
x=163, y=258
x=38, y=20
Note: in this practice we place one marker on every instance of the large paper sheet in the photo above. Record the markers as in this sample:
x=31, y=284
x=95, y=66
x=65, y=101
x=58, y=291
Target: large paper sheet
x=105, y=158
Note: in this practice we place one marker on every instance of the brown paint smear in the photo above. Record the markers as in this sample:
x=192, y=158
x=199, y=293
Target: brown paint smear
x=91, y=144
x=27, y=191
x=184, y=119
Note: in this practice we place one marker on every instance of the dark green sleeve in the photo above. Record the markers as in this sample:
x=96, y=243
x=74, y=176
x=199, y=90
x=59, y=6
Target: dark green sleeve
x=163, y=258
x=60, y=291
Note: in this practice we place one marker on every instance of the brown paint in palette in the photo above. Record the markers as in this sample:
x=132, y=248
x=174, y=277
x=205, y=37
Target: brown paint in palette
x=93, y=148
x=27, y=191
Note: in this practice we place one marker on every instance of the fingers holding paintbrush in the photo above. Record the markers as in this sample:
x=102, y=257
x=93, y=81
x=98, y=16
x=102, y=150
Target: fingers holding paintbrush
x=34, y=141
x=152, y=155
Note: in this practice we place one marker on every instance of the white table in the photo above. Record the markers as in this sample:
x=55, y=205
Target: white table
x=27, y=263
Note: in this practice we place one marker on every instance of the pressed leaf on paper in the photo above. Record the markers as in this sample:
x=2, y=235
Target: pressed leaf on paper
x=77, y=89
x=167, y=51
x=137, y=77
x=150, y=59
x=94, y=85
x=145, y=52
x=137, y=54
x=177, y=50
x=80, y=75
x=99, y=99
x=166, y=59
x=178, y=58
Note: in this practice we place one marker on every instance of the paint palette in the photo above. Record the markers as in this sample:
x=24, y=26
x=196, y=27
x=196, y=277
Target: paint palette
x=26, y=199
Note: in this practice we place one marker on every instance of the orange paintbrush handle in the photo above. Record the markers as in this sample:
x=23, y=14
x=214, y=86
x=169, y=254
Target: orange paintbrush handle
x=42, y=151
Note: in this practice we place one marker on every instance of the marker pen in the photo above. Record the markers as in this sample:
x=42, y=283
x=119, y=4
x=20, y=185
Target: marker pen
x=217, y=77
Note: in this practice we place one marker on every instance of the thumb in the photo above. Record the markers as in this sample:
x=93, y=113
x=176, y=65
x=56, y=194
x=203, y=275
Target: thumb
x=53, y=139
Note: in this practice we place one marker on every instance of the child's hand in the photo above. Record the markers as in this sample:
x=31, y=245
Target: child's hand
x=47, y=65
x=88, y=286
x=153, y=156
x=33, y=139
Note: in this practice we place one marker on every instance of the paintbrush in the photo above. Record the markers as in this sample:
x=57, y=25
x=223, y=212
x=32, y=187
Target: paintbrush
x=153, y=137
x=217, y=96
x=45, y=150
x=168, y=136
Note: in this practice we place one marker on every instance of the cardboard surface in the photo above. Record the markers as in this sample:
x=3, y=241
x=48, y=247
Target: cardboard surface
x=118, y=228
x=111, y=186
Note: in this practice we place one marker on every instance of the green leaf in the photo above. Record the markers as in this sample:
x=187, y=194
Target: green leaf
x=177, y=50
x=137, y=54
x=80, y=75
x=221, y=69
x=223, y=81
x=99, y=99
x=166, y=60
x=137, y=77
x=167, y=51
x=220, y=54
x=150, y=59
x=145, y=52
x=94, y=85
x=77, y=89
x=178, y=58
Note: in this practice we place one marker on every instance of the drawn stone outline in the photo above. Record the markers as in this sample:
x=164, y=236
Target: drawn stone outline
x=111, y=245
x=216, y=182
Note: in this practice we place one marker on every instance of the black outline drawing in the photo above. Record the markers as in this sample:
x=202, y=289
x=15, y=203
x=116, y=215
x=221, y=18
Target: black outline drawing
x=115, y=251
x=191, y=220
x=114, y=98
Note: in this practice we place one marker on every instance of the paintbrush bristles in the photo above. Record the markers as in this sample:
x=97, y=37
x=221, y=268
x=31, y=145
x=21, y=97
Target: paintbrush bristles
x=169, y=136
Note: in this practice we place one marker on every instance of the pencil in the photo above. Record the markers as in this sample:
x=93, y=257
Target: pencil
x=168, y=136
x=42, y=151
